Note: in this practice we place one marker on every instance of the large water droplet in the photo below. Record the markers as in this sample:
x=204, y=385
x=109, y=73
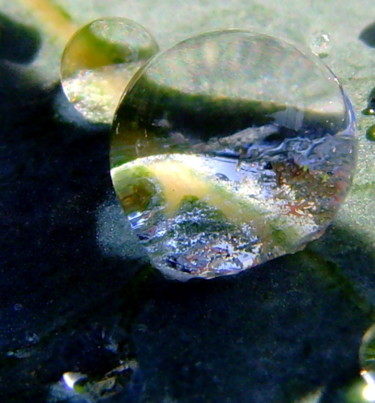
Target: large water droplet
x=230, y=149
x=99, y=61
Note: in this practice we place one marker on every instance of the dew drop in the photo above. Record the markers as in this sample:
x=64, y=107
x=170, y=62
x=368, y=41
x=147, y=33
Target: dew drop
x=371, y=100
x=32, y=338
x=321, y=44
x=99, y=388
x=368, y=112
x=370, y=133
x=252, y=160
x=370, y=109
x=99, y=61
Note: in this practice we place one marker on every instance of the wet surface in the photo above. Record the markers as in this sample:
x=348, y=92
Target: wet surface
x=73, y=305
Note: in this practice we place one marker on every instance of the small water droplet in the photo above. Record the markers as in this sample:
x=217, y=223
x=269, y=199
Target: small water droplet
x=32, y=338
x=371, y=100
x=321, y=44
x=368, y=112
x=99, y=61
x=288, y=154
x=370, y=133
x=110, y=384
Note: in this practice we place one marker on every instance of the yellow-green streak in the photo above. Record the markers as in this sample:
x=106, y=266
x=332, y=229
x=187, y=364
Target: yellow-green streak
x=55, y=19
x=178, y=181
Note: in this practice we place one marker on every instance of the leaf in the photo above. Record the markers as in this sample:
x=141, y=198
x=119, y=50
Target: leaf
x=298, y=318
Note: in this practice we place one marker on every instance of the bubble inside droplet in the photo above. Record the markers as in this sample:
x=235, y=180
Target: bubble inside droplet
x=99, y=61
x=230, y=149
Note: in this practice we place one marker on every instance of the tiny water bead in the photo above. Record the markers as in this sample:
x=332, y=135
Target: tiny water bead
x=370, y=133
x=370, y=110
x=99, y=61
x=97, y=388
x=320, y=44
x=230, y=149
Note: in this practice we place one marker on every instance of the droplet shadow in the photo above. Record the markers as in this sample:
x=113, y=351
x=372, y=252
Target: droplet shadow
x=18, y=43
x=274, y=333
x=367, y=35
x=54, y=175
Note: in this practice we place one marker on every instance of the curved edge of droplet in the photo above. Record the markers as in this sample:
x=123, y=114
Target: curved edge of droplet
x=350, y=129
x=350, y=132
x=366, y=338
x=303, y=50
x=119, y=19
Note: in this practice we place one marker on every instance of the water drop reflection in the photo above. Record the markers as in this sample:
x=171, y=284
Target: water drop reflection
x=231, y=148
x=96, y=388
x=99, y=61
